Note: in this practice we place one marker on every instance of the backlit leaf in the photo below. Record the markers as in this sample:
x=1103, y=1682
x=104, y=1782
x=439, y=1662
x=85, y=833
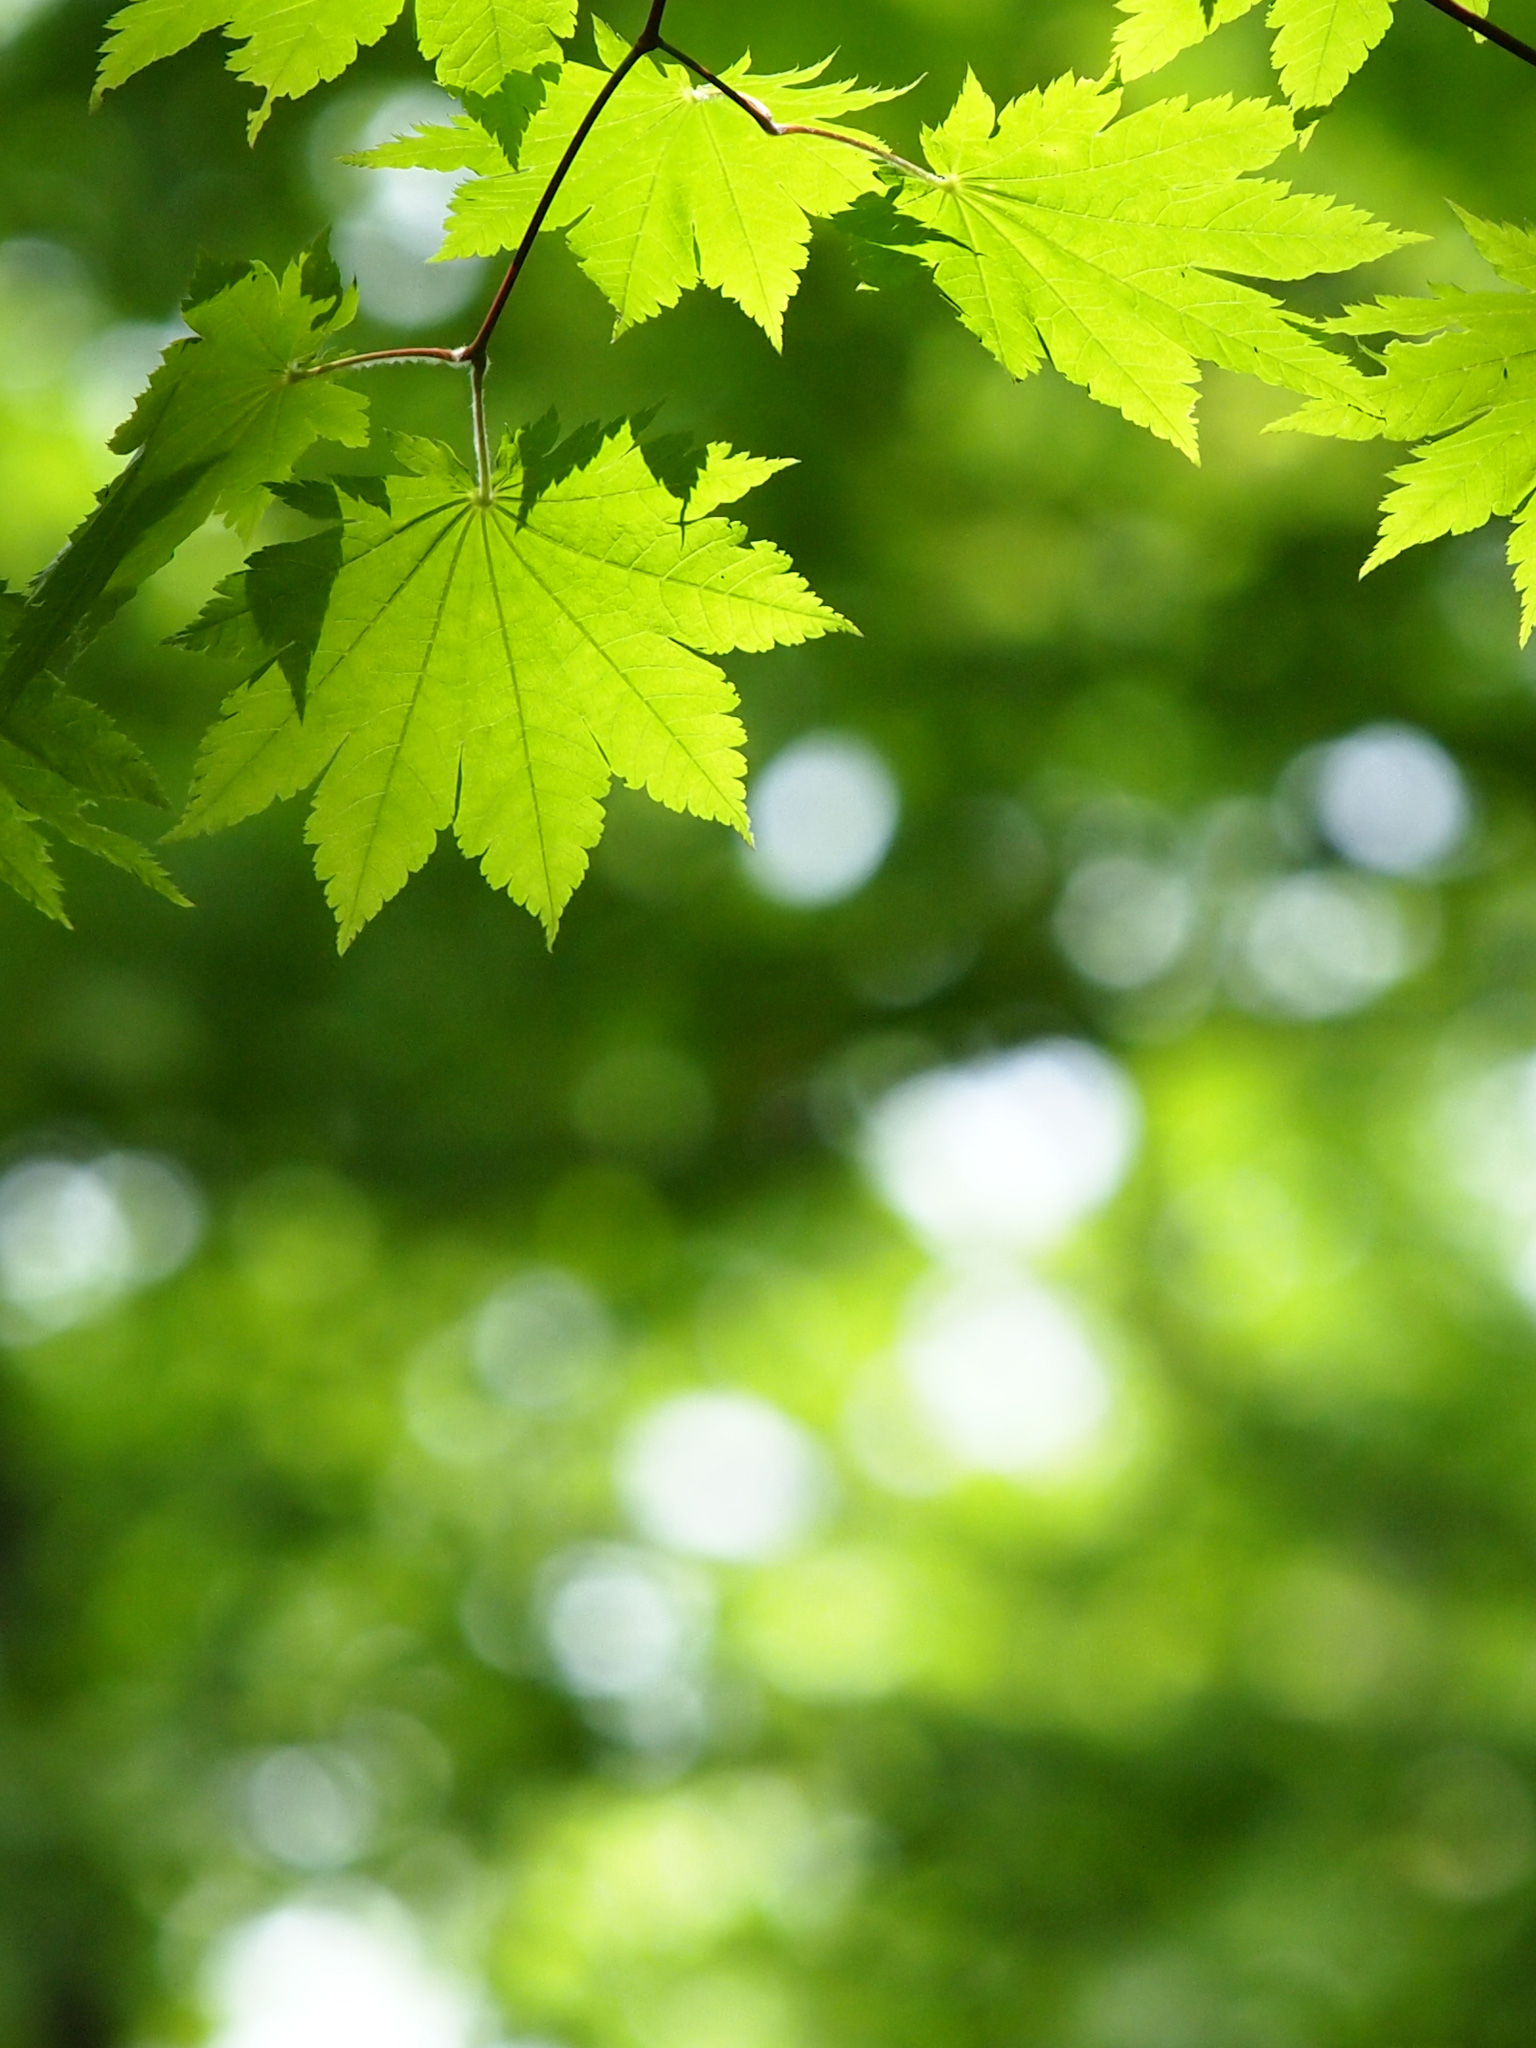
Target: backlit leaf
x=1460, y=380
x=678, y=187
x=287, y=47
x=1102, y=245
x=475, y=44
x=224, y=417
x=493, y=666
x=1318, y=45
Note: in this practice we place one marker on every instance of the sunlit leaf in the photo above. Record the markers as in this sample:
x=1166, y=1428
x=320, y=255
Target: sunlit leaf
x=1461, y=381
x=492, y=666
x=1101, y=244
x=678, y=187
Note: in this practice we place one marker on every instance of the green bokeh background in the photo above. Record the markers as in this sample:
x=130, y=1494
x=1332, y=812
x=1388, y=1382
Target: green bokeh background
x=1227, y=1742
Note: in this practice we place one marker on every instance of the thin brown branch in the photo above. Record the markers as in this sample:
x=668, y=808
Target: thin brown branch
x=756, y=111
x=1488, y=30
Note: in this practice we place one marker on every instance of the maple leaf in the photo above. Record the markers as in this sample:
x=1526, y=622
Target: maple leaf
x=223, y=418
x=56, y=753
x=1100, y=244
x=80, y=744
x=492, y=664
x=1318, y=45
x=462, y=144
x=1461, y=382
x=676, y=187
x=477, y=43
x=288, y=47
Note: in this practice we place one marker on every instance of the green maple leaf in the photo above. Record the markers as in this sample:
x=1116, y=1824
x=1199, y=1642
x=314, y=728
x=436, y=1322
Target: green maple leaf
x=1318, y=45
x=492, y=666
x=56, y=752
x=463, y=144
x=273, y=610
x=224, y=417
x=33, y=797
x=475, y=44
x=288, y=47
x=1461, y=382
x=1102, y=244
x=80, y=744
x=677, y=187
x=1151, y=33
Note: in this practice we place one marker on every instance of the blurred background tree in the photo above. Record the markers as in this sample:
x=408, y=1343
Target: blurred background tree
x=925, y=1435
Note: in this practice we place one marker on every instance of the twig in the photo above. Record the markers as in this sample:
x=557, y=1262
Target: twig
x=1488, y=30
x=472, y=356
x=757, y=112
x=482, y=438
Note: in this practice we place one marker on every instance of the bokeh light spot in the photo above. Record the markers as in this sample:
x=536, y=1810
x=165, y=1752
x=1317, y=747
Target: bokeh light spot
x=1012, y=1149
x=1322, y=945
x=75, y=1238
x=395, y=224
x=620, y=1622
x=724, y=1476
x=541, y=1342
x=824, y=813
x=1392, y=799
x=1124, y=922
x=310, y=1808
x=314, y=1976
x=1007, y=1376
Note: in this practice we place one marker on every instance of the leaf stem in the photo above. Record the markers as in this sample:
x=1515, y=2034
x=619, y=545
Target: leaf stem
x=756, y=111
x=1488, y=30
x=381, y=356
x=472, y=356
x=483, y=471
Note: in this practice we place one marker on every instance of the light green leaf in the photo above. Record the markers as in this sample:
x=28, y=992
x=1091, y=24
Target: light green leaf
x=493, y=666
x=1482, y=471
x=678, y=187
x=25, y=865
x=1522, y=561
x=288, y=47
x=147, y=30
x=223, y=418
x=1510, y=252
x=460, y=145
x=1151, y=33
x=475, y=44
x=1154, y=32
x=727, y=478
x=78, y=741
x=1092, y=242
x=1320, y=44
x=1460, y=380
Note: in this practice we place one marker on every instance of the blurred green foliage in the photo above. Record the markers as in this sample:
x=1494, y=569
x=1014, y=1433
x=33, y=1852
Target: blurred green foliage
x=1219, y=1735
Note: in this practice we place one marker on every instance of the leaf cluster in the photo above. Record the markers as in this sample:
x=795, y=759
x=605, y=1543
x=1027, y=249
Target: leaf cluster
x=488, y=649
